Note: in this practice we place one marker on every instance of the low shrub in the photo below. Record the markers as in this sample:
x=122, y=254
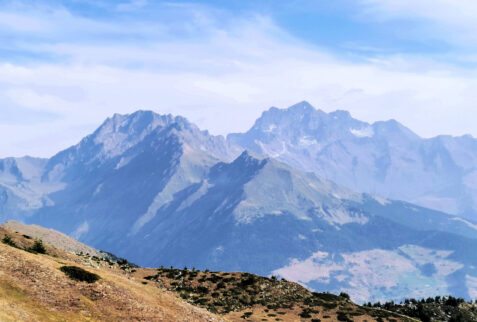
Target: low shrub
x=7, y=240
x=38, y=247
x=79, y=274
x=246, y=315
x=344, y=295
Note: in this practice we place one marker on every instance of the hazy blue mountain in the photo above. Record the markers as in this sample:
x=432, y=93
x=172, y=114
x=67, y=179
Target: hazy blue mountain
x=119, y=177
x=158, y=191
x=383, y=158
x=262, y=216
x=21, y=189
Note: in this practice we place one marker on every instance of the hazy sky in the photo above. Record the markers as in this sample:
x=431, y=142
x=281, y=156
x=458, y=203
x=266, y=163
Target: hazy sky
x=67, y=65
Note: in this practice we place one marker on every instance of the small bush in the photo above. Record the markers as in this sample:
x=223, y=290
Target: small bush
x=202, y=289
x=305, y=314
x=38, y=247
x=79, y=274
x=246, y=315
x=344, y=295
x=250, y=280
x=342, y=317
x=7, y=239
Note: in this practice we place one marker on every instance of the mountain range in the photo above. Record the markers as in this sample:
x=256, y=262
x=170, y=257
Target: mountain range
x=159, y=191
x=383, y=158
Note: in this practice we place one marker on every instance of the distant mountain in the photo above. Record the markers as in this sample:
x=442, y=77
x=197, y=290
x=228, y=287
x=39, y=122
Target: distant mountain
x=262, y=216
x=158, y=191
x=21, y=190
x=118, y=178
x=383, y=158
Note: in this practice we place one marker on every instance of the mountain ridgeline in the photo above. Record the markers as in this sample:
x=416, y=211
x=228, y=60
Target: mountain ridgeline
x=158, y=191
x=383, y=158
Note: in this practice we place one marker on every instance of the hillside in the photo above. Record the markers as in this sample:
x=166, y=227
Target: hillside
x=439, y=308
x=54, y=238
x=33, y=287
x=244, y=296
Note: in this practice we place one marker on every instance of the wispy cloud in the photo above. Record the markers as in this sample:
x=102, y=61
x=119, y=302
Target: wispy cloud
x=217, y=69
x=445, y=19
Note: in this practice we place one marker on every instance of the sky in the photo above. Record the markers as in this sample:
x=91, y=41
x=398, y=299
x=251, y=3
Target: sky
x=65, y=66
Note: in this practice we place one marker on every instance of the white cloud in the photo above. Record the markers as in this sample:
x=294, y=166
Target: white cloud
x=460, y=16
x=222, y=79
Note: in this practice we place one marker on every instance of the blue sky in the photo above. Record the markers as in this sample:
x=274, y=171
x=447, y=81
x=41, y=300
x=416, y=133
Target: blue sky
x=67, y=65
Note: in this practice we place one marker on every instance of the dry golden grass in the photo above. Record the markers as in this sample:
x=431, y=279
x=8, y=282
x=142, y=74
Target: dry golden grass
x=51, y=237
x=32, y=288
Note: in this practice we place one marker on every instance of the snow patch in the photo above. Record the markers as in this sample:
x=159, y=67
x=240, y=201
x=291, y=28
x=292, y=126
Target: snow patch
x=381, y=200
x=307, y=141
x=341, y=216
x=98, y=189
x=122, y=162
x=469, y=224
x=274, y=153
x=365, y=132
x=271, y=128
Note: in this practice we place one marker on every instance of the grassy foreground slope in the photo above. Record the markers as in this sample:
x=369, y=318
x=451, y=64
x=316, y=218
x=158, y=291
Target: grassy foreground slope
x=33, y=287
